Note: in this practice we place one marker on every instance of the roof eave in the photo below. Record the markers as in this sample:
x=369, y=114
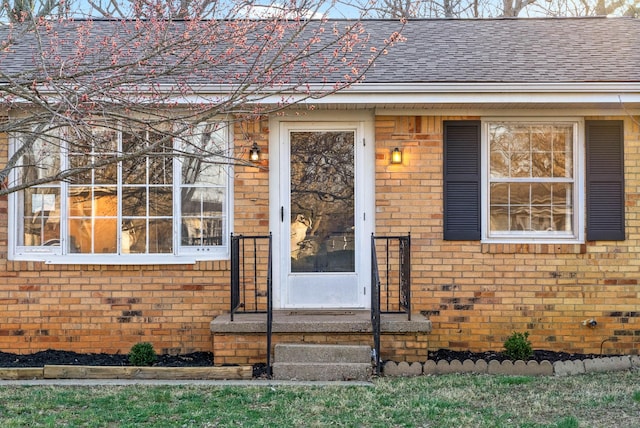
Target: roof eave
x=453, y=93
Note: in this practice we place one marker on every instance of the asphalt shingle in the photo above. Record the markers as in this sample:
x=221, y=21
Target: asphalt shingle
x=546, y=50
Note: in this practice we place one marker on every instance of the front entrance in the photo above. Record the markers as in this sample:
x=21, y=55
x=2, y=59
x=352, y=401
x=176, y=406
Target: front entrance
x=322, y=239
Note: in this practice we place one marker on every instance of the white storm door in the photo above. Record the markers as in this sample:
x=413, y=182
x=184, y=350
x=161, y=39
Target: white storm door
x=322, y=245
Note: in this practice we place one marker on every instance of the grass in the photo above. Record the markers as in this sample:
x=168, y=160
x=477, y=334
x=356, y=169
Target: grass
x=596, y=400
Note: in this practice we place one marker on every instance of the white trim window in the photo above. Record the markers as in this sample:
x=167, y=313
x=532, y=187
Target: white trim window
x=168, y=205
x=533, y=175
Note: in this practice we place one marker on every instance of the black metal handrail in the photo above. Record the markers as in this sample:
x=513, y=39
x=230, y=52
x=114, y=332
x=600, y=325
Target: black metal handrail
x=375, y=305
x=269, y=307
x=250, y=273
x=395, y=288
x=252, y=280
x=396, y=299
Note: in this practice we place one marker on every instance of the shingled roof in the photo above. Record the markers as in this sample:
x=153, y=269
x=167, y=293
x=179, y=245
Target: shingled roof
x=546, y=50
x=513, y=50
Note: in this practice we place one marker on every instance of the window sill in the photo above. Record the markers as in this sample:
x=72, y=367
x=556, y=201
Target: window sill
x=106, y=260
x=534, y=248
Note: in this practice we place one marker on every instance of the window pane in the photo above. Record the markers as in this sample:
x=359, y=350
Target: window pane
x=198, y=200
x=82, y=163
x=499, y=218
x=80, y=234
x=107, y=174
x=161, y=201
x=563, y=138
x=103, y=139
x=541, y=218
x=89, y=236
x=132, y=236
x=201, y=231
x=79, y=201
x=160, y=236
x=134, y=171
x=41, y=217
x=520, y=139
x=562, y=217
x=520, y=218
x=204, y=173
x=541, y=194
x=499, y=165
x=562, y=206
x=542, y=164
x=105, y=234
x=207, y=163
x=160, y=169
x=89, y=147
x=563, y=152
x=519, y=194
x=41, y=159
x=134, y=201
x=520, y=164
x=93, y=219
x=562, y=194
x=541, y=138
x=499, y=193
x=202, y=216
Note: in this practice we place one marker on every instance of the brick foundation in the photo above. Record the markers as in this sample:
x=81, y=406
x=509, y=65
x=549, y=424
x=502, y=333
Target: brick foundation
x=252, y=348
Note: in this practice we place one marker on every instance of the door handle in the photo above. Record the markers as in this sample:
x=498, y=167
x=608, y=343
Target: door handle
x=282, y=214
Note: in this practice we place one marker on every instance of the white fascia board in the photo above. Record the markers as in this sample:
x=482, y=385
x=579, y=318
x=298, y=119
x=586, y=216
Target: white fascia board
x=466, y=93
x=496, y=87
x=415, y=93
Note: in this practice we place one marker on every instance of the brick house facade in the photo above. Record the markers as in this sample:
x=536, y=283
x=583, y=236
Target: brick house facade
x=475, y=291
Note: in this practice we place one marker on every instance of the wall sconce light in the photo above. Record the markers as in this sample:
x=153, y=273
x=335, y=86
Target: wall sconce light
x=396, y=156
x=254, y=153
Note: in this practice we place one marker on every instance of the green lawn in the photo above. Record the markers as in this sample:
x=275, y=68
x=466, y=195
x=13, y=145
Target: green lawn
x=598, y=400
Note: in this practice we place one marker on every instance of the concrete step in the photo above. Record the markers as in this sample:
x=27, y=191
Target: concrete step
x=322, y=371
x=306, y=361
x=314, y=353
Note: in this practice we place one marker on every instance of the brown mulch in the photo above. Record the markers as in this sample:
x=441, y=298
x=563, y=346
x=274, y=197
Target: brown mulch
x=54, y=357
x=538, y=355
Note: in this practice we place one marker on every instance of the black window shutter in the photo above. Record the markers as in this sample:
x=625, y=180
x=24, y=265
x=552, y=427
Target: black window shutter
x=605, y=180
x=461, y=180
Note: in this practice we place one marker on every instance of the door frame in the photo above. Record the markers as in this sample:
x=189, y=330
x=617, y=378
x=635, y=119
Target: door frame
x=363, y=123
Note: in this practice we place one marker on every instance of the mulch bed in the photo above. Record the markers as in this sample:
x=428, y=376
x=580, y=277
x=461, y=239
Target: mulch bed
x=538, y=355
x=53, y=357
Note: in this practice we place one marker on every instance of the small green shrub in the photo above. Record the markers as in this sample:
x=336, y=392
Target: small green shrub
x=142, y=354
x=518, y=347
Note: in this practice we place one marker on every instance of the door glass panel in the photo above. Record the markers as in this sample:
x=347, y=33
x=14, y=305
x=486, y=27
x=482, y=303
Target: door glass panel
x=322, y=201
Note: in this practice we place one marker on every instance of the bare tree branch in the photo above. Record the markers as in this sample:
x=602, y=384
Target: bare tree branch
x=60, y=79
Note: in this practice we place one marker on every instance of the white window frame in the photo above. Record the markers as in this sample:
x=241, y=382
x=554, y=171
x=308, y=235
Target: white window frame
x=579, y=208
x=180, y=255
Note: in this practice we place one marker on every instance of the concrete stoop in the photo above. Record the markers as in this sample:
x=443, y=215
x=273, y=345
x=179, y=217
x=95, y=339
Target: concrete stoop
x=312, y=362
x=517, y=368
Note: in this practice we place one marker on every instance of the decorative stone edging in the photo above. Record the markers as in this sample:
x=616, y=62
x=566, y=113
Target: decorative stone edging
x=127, y=372
x=517, y=368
